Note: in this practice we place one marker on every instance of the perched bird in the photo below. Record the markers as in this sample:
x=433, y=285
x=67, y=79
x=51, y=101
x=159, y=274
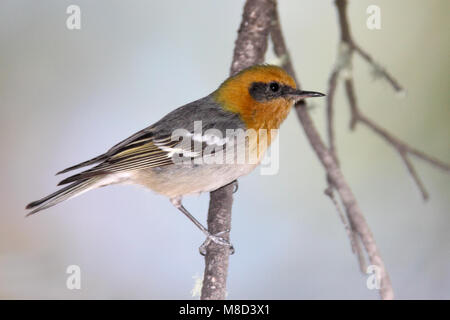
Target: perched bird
x=258, y=98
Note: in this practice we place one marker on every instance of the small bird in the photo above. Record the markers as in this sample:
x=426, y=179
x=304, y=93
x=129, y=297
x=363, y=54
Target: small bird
x=258, y=98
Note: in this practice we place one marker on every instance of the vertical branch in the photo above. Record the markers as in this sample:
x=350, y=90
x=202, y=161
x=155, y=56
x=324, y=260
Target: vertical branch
x=251, y=43
x=250, y=48
x=216, y=258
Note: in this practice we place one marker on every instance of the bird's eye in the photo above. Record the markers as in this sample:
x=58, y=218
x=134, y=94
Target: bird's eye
x=274, y=87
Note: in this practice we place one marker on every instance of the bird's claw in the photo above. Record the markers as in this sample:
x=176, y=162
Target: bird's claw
x=218, y=240
x=236, y=186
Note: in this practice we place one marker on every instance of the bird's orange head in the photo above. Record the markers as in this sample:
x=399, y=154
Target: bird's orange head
x=262, y=95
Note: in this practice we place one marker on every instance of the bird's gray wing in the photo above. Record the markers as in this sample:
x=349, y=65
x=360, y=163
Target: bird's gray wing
x=155, y=145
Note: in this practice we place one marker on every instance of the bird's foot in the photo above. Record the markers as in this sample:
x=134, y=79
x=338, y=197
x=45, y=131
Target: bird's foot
x=218, y=240
x=235, y=184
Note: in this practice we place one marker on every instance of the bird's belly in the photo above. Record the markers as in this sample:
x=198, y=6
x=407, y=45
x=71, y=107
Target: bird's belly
x=179, y=180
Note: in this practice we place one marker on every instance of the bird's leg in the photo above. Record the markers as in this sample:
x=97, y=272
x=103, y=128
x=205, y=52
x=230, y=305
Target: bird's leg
x=209, y=237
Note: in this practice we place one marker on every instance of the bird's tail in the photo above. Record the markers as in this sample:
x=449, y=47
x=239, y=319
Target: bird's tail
x=62, y=194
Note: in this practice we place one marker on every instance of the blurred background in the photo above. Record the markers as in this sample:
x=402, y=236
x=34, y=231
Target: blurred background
x=69, y=95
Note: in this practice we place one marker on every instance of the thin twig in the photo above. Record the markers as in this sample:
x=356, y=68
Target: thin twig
x=382, y=72
x=357, y=116
x=332, y=83
x=355, y=242
x=398, y=144
x=346, y=195
x=343, y=62
x=349, y=227
x=250, y=48
x=350, y=91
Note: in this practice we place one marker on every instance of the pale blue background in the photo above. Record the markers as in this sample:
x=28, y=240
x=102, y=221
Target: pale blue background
x=66, y=96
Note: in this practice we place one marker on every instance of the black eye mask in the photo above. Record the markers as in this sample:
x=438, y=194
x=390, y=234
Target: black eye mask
x=261, y=91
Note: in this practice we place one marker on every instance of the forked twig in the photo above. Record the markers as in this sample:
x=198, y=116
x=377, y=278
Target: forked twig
x=403, y=149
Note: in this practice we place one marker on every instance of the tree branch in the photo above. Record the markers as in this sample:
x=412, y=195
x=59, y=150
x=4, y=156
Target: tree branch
x=216, y=258
x=250, y=48
x=354, y=213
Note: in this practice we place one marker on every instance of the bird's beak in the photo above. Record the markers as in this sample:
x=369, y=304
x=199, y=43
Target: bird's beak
x=300, y=94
